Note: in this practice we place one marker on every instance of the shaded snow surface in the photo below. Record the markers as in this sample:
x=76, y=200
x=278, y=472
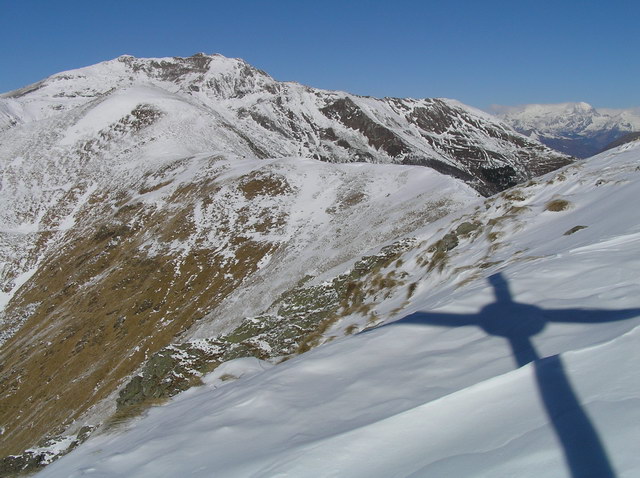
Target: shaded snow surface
x=440, y=392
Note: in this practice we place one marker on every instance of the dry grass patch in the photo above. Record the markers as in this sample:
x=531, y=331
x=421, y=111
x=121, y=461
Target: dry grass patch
x=97, y=306
x=493, y=236
x=514, y=195
x=314, y=338
x=148, y=189
x=558, y=178
x=352, y=199
x=468, y=280
x=264, y=184
x=557, y=205
x=352, y=329
x=517, y=210
x=123, y=416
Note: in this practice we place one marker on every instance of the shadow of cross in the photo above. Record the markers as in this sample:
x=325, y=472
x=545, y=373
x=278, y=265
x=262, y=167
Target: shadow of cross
x=517, y=323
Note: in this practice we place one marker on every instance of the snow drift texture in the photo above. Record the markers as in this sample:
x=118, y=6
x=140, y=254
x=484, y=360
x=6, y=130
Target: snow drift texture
x=517, y=358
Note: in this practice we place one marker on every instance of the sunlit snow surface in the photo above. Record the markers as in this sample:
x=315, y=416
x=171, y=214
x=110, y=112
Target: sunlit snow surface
x=424, y=397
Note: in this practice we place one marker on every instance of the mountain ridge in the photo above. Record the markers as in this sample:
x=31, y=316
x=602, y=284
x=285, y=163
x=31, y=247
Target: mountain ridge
x=146, y=199
x=249, y=104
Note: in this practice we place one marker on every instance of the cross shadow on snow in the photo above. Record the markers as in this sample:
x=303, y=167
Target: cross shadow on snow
x=517, y=323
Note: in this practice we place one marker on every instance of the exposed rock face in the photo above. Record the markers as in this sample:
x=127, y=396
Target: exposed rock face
x=349, y=114
x=136, y=213
x=449, y=131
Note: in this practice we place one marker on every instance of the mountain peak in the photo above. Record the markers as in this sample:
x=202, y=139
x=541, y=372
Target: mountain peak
x=253, y=114
x=198, y=66
x=537, y=110
x=582, y=106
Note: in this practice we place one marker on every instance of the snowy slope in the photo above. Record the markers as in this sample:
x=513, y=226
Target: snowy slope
x=513, y=355
x=77, y=129
x=578, y=129
x=112, y=122
x=202, y=242
x=151, y=201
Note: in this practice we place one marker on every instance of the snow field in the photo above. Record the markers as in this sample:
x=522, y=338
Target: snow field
x=414, y=399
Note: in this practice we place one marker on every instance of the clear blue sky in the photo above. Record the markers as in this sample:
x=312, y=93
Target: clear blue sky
x=479, y=52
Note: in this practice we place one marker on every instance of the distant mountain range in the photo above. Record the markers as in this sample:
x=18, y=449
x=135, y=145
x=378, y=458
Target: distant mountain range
x=577, y=129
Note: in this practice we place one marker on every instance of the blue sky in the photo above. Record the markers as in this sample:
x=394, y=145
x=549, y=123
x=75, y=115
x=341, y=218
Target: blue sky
x=479, y=52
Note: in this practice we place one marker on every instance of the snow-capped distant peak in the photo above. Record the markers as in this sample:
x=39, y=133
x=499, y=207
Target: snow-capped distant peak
x=535, y=115
x=578, y=129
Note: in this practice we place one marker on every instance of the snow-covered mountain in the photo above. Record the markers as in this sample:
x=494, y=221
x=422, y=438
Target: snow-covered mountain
x=577, y=129
x=148, y=202
x=213, y=103
x=503, y=341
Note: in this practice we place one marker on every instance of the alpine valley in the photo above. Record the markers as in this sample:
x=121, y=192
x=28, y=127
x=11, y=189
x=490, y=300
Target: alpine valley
x=207, y=271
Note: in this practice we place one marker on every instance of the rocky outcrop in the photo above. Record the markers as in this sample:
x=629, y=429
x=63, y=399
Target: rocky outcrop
x=294, y=324
x=49, y=450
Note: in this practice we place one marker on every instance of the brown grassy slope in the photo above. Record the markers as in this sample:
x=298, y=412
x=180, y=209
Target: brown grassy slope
x=104, y=301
